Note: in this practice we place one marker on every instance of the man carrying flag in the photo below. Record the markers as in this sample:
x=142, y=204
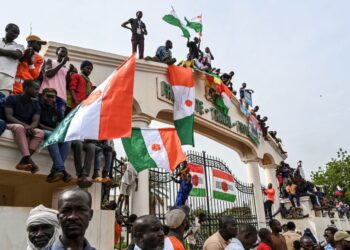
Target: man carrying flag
x=185, y=186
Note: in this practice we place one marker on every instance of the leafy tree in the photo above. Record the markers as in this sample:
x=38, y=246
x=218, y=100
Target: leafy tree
x=336, y=172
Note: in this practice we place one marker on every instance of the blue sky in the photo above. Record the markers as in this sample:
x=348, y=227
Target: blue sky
x=294, y=54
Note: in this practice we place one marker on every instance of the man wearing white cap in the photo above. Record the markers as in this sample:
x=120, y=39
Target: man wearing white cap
x=177, y=222
x=43, y=228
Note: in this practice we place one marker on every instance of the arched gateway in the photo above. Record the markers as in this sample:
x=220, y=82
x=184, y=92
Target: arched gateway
x=152, y=101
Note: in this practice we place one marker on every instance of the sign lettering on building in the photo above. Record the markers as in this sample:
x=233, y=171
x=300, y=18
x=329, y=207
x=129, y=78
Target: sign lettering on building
x=216, y=115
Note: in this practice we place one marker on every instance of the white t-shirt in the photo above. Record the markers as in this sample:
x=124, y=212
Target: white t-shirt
x=130, y=174
x=207, y=57
x=235, y=244
x=8, y=65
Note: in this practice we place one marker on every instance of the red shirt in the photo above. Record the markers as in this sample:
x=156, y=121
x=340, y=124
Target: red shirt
x=78, y=85
x=263, y=246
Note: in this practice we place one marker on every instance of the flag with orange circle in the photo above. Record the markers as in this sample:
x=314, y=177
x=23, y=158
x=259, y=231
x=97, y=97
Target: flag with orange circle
x=223, y=185
x=182, y=82
x=154, y=148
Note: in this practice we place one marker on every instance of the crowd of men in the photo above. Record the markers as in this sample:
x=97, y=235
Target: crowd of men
x=293, y=185
x=35, y=96
x=65, y=229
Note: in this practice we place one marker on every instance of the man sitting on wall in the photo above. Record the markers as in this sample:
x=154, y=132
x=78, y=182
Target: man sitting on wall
x=2, y=113
x=23, y=115
x=163, y=54
x=50, y=117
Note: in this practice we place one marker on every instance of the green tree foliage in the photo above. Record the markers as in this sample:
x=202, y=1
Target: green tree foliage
x=336, y=172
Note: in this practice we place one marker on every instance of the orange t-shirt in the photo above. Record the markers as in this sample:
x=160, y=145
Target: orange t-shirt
x=270, y=194
x=27, y=72
x=117, y=233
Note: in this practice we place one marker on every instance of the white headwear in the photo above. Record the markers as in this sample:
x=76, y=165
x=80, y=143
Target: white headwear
x=43, y=215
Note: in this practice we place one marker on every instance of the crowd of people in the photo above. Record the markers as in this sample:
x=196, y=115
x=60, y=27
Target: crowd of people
x=35, y=96
x=49, y=229
x=293, y=185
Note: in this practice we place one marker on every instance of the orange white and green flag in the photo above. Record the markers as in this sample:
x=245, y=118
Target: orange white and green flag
x=154, y=148
x=182, y=82
x=198, y=180
x=223, y=186
x=107, y=112
x=224, y=101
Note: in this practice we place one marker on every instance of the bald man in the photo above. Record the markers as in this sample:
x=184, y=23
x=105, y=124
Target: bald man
x=74, y=215
x=147, y=233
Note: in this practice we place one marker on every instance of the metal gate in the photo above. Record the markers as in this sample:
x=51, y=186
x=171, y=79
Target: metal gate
x=163, y=195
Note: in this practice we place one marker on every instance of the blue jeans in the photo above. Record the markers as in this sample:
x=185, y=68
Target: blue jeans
x=2, y=126
x=61, y=105
x=58, y=152
x=108, y=160
x=291, y=198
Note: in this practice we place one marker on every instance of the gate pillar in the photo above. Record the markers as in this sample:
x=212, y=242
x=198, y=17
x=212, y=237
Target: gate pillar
x=140, y=199
x=270, y=177
x=254, y=178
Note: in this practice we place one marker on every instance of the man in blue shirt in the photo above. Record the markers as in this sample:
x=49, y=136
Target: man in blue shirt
x=329, y=237
x=74, y=215
x=185, y=187
x=163, y=54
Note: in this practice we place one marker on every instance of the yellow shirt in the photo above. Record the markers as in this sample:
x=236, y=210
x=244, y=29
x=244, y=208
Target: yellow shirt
x=187, y=63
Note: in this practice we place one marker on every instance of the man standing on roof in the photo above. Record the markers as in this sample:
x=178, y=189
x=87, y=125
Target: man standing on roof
x=30, y=64
x=138, y=30
x=10, y=53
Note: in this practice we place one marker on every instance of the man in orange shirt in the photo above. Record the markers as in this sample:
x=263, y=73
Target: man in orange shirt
x=117, y=227
x=291, y=190
x=270, y=199
x=29, y=67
